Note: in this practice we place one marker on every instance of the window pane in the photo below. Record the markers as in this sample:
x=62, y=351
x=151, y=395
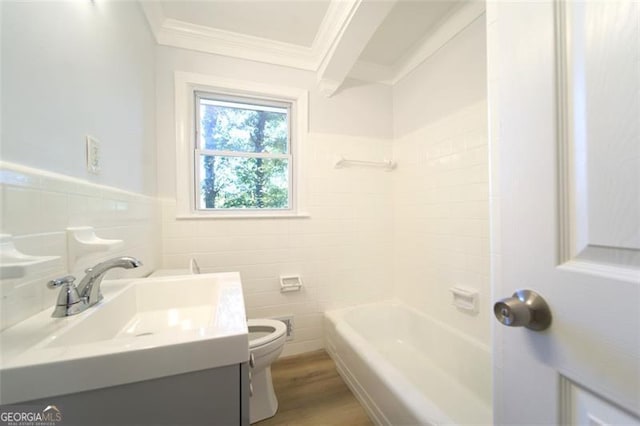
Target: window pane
x=243, y=183
x=230, y=126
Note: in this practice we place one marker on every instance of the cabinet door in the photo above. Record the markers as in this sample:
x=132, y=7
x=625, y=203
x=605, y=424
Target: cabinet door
x=206, y=397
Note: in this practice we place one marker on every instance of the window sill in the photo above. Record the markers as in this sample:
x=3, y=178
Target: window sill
x=208, y=216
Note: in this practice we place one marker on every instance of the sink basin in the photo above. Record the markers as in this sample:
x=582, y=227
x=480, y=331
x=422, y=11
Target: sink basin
x=143, y=329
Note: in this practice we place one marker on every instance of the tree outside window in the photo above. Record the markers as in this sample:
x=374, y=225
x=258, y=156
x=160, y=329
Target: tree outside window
x=243, y=154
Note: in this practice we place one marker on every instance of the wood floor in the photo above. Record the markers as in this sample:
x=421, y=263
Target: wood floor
x=310, y=392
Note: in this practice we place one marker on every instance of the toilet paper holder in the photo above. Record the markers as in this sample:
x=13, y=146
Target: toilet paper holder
x=290, y=283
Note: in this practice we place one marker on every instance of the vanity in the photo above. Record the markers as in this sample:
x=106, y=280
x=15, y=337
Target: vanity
x=162, y=350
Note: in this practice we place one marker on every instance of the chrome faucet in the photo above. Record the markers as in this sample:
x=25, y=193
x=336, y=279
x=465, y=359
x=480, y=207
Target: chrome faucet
x=73, y=300
x=89, y=287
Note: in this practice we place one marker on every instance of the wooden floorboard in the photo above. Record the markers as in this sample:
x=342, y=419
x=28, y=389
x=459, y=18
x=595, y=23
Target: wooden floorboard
x=310, y=392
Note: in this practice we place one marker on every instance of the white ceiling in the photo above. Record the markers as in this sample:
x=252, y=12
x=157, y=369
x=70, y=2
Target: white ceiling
x=288, y=21
x=372, y=40
x=407, y=23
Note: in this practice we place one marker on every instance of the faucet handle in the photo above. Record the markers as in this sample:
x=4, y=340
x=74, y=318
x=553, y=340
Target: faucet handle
x=69, y=301
x=59, y=282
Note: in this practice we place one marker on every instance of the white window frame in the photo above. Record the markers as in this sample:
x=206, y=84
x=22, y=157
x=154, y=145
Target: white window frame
x=249, y=103
x=186, y=86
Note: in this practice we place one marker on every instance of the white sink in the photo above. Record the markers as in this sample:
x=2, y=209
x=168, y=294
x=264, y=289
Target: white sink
x=143, y=329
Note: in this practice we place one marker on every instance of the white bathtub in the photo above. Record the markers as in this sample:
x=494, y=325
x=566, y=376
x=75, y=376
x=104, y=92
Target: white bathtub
x=407, y=369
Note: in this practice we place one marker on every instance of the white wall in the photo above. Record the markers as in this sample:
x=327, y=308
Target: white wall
x=342, y=251
x=440, y=190
x=453, y=77
x=69, y=69
x=75, y=68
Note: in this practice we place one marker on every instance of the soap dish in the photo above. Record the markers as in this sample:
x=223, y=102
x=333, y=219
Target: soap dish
x=15, y=264
x=465, y=299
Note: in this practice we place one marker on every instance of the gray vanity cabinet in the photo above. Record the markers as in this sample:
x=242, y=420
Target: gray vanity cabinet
x=218, y=396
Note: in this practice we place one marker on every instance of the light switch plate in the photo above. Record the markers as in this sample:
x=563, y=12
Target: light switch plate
x=93, y=155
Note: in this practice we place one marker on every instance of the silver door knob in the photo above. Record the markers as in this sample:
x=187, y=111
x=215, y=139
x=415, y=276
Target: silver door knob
x=525, y=308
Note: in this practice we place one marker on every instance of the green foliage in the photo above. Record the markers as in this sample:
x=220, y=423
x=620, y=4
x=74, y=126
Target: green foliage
x=243, y=182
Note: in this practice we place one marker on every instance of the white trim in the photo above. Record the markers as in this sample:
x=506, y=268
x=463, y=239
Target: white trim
x=244, y=215
x=333, y=26
x=372, y=72
x=564, y=135
x=574, y=244
x=227, y=43
x=13, y=174
x=327, y=87
x=338, y=36
x=365, y=18
x=615, y=272
x=244, y=154
x=185, y=84
x=172, y=32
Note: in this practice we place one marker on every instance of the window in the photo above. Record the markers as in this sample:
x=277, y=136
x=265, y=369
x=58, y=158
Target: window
x=243, y=157
x=239, y=145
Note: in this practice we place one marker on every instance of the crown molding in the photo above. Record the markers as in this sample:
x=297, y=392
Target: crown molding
x=344, y=31
x=172, y=32
x=332, y=28
x=196, y=37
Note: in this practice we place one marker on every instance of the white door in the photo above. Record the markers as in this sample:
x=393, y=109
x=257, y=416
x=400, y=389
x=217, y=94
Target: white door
x=564, y=90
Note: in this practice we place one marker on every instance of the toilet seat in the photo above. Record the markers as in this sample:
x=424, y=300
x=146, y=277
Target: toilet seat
x=266, y=330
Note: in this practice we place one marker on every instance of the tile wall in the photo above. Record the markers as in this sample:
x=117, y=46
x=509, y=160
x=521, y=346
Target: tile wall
x=342, y=250
x=38, y=206
x=441, y=217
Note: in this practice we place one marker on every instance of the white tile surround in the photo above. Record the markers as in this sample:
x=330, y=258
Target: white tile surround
x=373, y=235
x=38, y=206
x=441, y=217
x=342, y=251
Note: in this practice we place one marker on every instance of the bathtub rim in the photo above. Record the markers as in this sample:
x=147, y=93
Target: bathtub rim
x=413, y=399
x=335, y=314
x=419, y=404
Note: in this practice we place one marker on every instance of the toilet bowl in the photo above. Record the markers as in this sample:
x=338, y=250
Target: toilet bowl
x=266, y=340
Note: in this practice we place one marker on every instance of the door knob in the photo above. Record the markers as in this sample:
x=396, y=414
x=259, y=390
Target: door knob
x=525, y=308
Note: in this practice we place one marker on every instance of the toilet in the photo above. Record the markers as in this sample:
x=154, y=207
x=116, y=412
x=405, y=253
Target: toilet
x=266, y=340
